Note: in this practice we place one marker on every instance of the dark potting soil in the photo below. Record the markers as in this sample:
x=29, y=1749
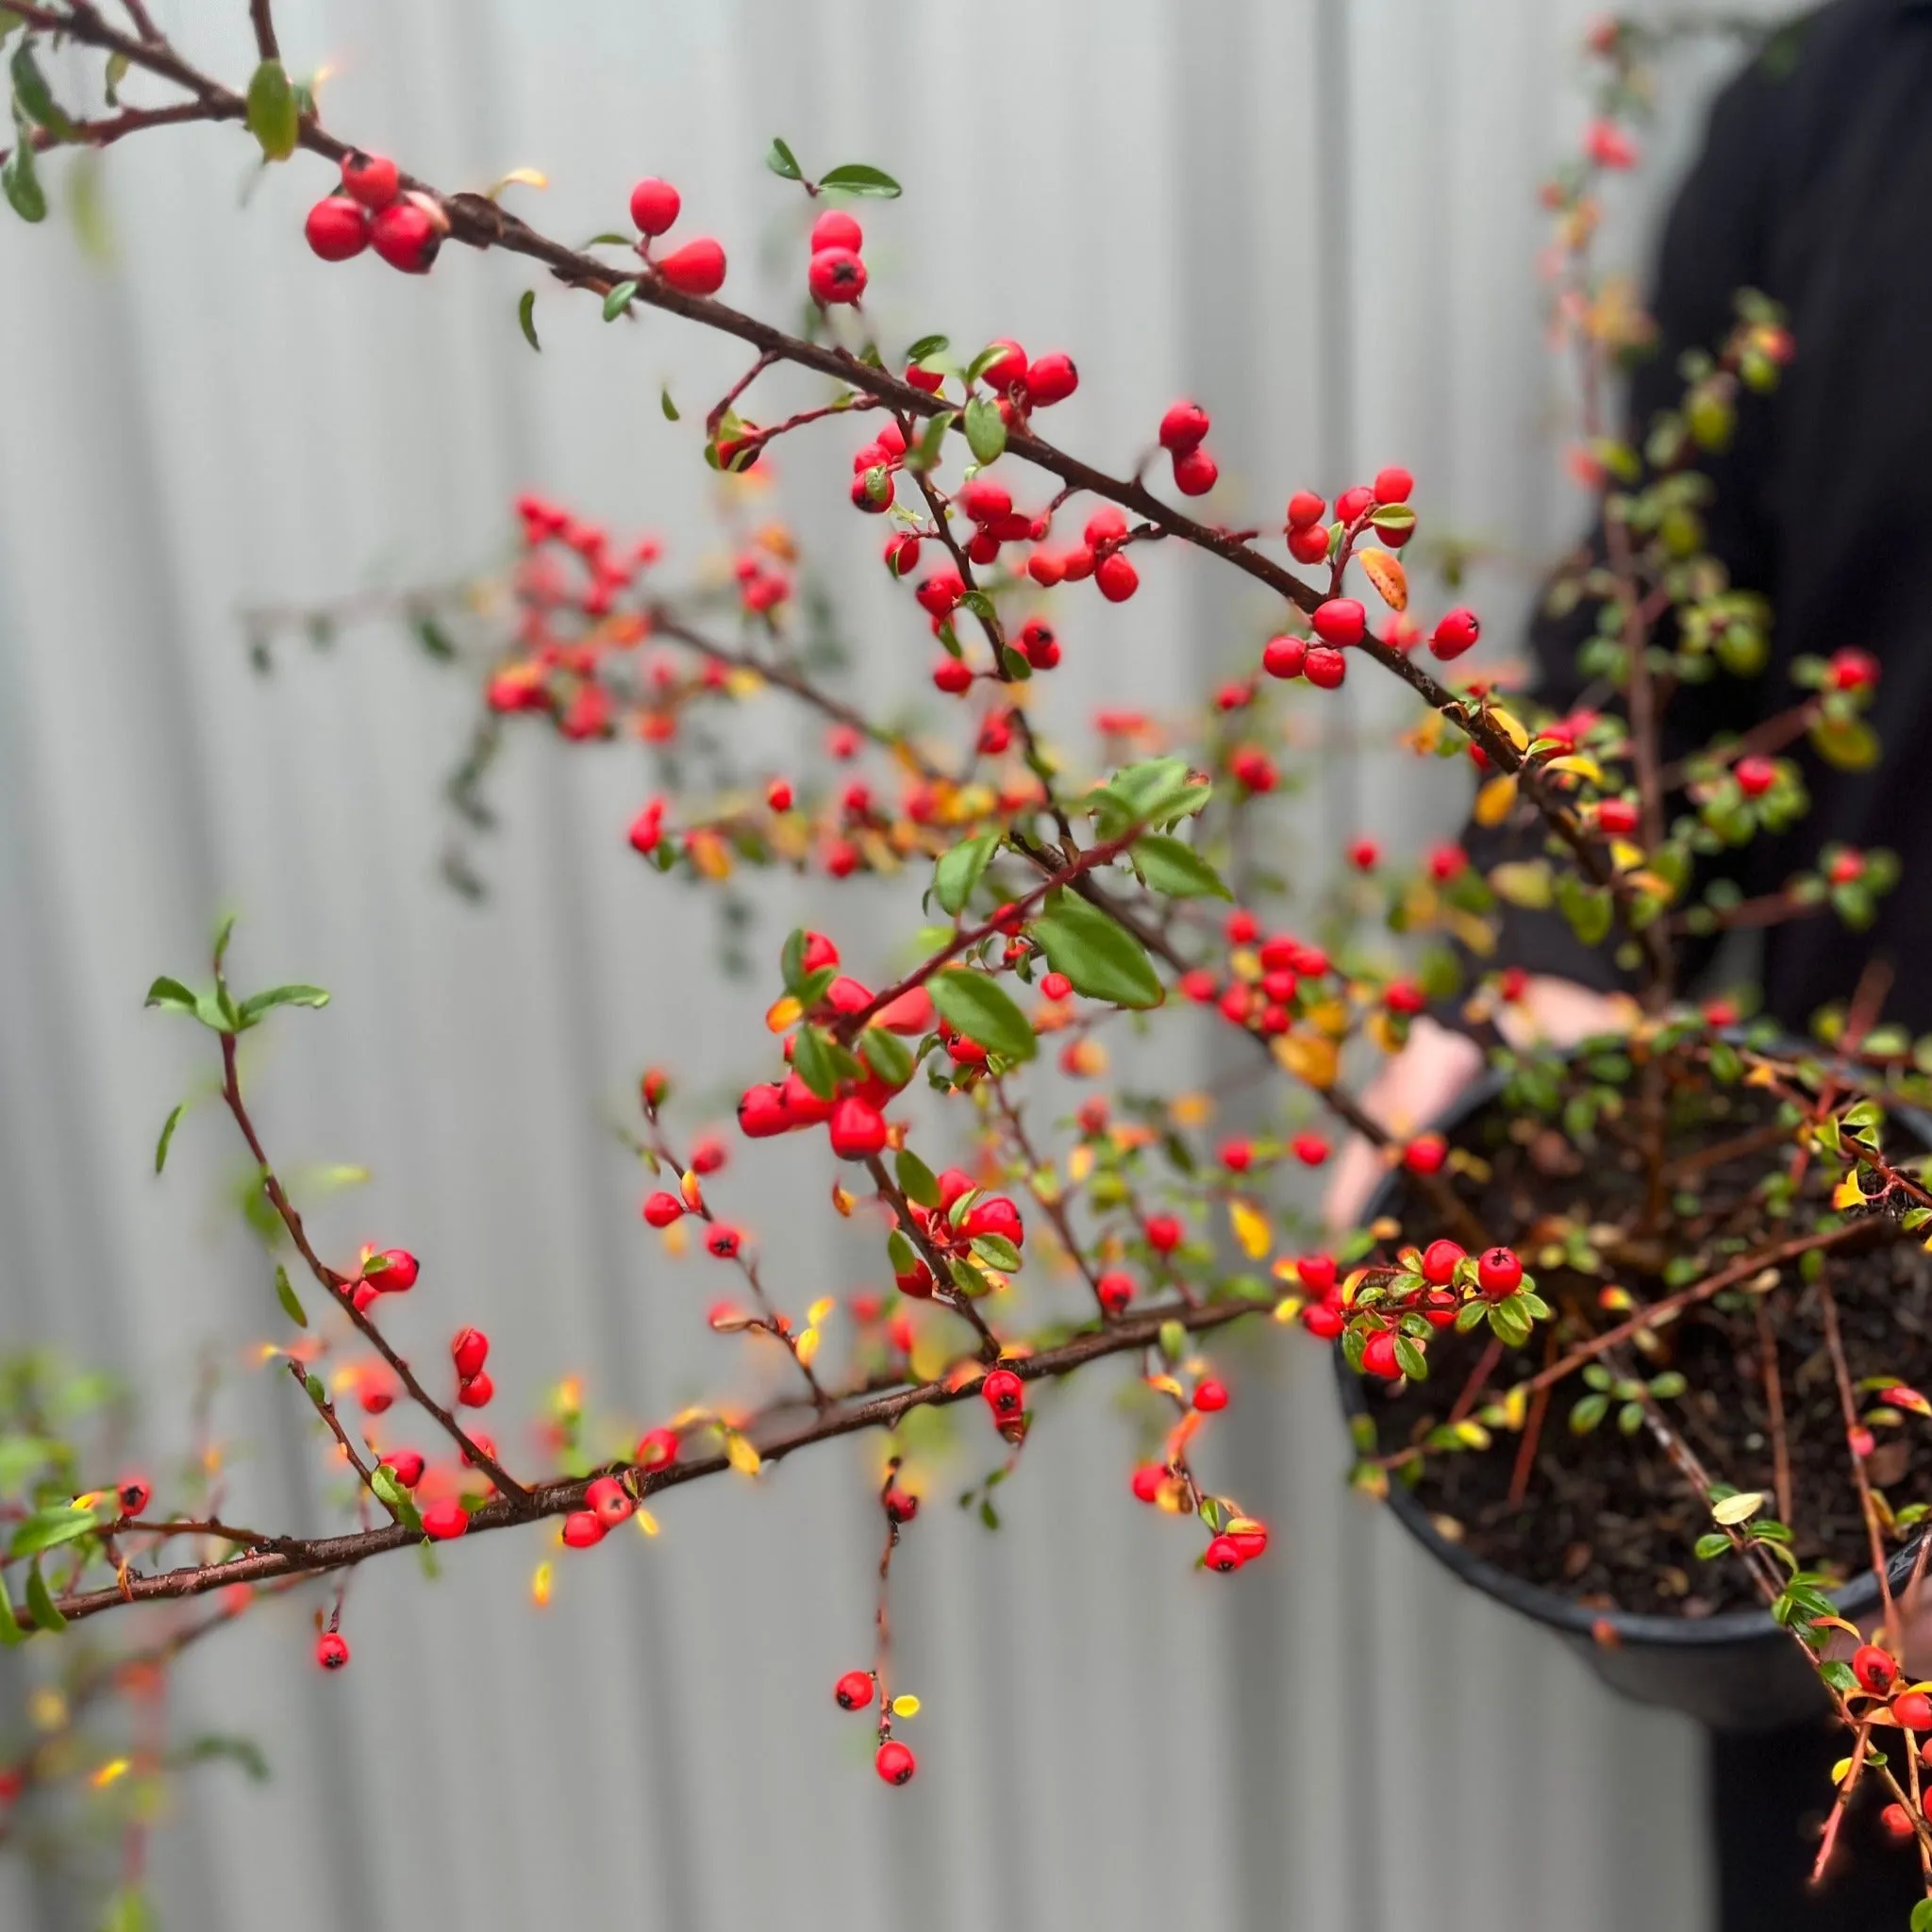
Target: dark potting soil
x=1606, y=1518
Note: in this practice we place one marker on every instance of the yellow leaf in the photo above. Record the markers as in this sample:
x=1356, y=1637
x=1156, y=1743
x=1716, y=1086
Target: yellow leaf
x=1495, y=801
x=806, y=1347
x=110, y=1772
x=694, y=1194
x=1192, y=1109
x=906, y=1706
x=1329, y=1017
x=541, y=1584
x=1289, y=1307
x=1166, y=1384
x=1848, y=1193
x=1310, y=1059
x=1575, y=762
x=647, y=1524
x=783, y=1014
x=1251, y=1228
x=676, y=1239
x=1079, y=1163
x=522, y=177
x=1244, y=963
x=842, y=1202
x=741, y=1455
x=1510, y=726
x=1739, y=1509
x=744, y=683
x=1386, y=573
x=818, y=1311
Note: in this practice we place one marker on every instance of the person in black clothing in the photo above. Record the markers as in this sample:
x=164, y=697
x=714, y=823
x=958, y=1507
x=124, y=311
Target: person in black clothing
x=1814, y=186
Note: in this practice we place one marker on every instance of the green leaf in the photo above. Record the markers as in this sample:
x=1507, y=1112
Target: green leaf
x=1922, y=1916
x=253, y=1008
x=434, y=639
x=45, y=1529
x=285, y=1294
x=41, y=1606
x=526, y=318
x=996, y=1251
x=669, y=408
x=11, y=1632
x=973, y=1004
x=168, y=1127
x=821, y=1061
x=928, y=345
x=224, y=933
x=173, y=995
x=1410, y=1359
x=1178, y=870
x=1103, y=959
x=1392, y=516
x=782, y=161
x=854, y=177
x=1587, y=1413
x=35, y=97
x=20, y=182
x=1174, y=1341
x=961, y=869
x=1588, y=908
x=917, y=1181
x=129, y=1912
x=618, y=300
x=925, y=454
x=986, y=429
x=273, y=118
x=887, y=1055
x=317, y=1393
x=1712, y=1545
x=394, y=1498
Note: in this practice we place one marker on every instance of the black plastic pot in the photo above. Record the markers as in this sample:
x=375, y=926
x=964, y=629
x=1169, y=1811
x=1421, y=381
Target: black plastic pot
x=1737, y=1672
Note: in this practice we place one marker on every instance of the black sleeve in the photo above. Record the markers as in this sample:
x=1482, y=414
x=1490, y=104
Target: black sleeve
x=1713, y=245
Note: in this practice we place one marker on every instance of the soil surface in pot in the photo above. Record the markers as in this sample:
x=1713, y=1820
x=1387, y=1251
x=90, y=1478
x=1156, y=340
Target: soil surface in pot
x=1605, y=1517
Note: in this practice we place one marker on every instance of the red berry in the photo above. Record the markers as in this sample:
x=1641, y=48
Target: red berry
x=1164, y=1233
x=1317, y=1273
x=1116, y=578
x=762, y=1112
x=723, y=1242
x=1242, y=927
x=1756, y=775
x=940, y=592
x=1250, y=1540
x=444, y=1519
x=608, y=1501
x=901, y=553
x=1057, y=986
x=1378, y=1357
x=1003, y=1393
x=581, y=1529
x=1393, y=485
x=469, y=1349
x=1311, y=1150
x=337, y=228
x=1340, y=621
x=1285, y=657
x=1617, y=817
x=1148, y=1478
x=1323, y=1320
x=1355, y=502
x=1897, y=1821
x=1325, y=667
x=1874, y=1669
x=1913, y=1709
x=854, y=1691
x=1051, y=380
x=331, y=1651
x=1305, y=508
x=1498, y=1272
x=1195, y=472
x=1426, y=1154
x=930, y=380
x=653, y=206
x=1038, y=643
x=1210, y=1396
x=1116, y=1290
x=1225, y=1555
x=1405, y=998
x=406, y=237
x=1853, y=670
x=858, y=1129
x=1439, y=1263
x=953, y=677
x=836, y=275
x=133, y=1493
x=1455, y=634
x=1309, y=545
x=478, y=1390
x=1184, y=427
x=902, y=1505
x=894, y=1763
x=1364, y=854
x=835, y=228
x=406, y=1465
x=656, y=1449
x=697, y=269
x=372, y=179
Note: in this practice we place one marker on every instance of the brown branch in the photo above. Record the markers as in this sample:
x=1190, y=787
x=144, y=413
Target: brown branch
x=774, y=1443
x=1774, y=1404
x=1848, y=1407
x=261, y=17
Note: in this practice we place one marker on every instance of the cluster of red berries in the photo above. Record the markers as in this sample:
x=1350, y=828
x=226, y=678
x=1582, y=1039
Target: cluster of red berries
x=393, y=1271
x=837, y=273
x=469, y=1349
x=370, y=208
x=1877, y=1673
x=1184, y=437
x=952, y=1239
x=1019, y=386
x=1268, y=1003
x=695, y=269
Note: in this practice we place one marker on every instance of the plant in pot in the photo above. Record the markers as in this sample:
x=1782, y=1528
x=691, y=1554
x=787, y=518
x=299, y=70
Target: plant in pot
x=1631, y=1341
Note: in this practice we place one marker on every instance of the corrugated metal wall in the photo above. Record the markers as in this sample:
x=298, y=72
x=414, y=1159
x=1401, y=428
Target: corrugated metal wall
x=1317, y=215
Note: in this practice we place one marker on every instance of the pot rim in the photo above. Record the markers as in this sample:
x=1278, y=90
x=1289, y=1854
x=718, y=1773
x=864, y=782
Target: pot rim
x=1855, y=1599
